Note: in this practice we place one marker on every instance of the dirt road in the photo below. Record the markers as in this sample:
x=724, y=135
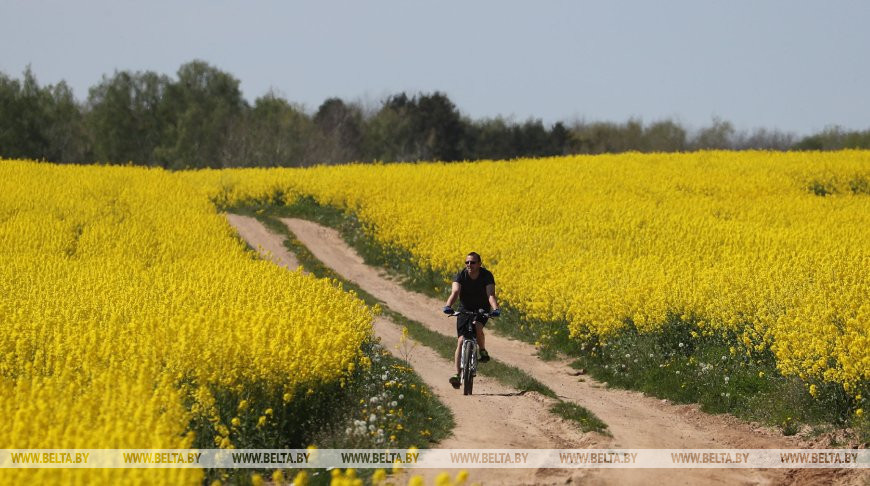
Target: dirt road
x=494, y=417
x=500, y=420
x=268, y=244
x=499, y=412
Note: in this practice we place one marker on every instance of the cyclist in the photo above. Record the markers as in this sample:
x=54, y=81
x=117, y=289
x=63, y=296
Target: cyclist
x=475, y=288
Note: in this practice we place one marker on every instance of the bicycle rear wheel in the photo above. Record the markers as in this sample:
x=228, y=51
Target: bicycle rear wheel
x=467, y=375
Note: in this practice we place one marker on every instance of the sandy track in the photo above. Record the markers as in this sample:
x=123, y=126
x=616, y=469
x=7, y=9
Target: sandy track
x=269, y=245
x=483, y=420
x=635, y=420
x=493, y=417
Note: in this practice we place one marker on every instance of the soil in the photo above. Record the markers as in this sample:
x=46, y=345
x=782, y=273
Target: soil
x=268, y=244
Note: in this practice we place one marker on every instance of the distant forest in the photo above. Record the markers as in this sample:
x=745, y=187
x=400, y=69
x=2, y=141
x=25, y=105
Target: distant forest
x=200, y=119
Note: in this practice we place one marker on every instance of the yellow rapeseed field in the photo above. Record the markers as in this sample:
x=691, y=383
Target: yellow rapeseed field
x=130, y=311
x=127, y=305
x=771, y=247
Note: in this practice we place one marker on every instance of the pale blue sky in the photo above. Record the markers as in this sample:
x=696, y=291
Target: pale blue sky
x=798, y=66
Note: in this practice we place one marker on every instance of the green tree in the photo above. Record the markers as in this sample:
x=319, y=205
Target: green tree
x=340, y=132
x=596, y=138
x=490, y=139
x=23, y=117
x=665, y=136
x=720, y=135
x=385, y=136
x=40, y=122
x=439, y=131
x=66, y=131
x=202, y=108
x=127, y=117
x=560, y=140
x=428, y=127
x=835, y=138
x=273, y=133
x=529, y=139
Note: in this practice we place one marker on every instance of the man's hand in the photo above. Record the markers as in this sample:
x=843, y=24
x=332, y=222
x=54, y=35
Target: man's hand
x=494, y=313
x=447, y=309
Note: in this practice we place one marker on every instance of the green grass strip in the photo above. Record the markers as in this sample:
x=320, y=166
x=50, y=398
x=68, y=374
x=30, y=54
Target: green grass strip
x=586, y=420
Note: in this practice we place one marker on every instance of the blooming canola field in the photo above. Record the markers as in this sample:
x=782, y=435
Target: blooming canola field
x=134, y=318
x=131, y=312
x=769, y=248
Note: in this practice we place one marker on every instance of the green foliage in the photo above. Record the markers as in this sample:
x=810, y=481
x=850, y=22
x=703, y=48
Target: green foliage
x=835, y=138
x=716, y=136
x=43, y=123
x=127, y=116
x=677, y=365
x=199, y=119
x=340, y=135
x=202, y=106
x=425, y=127
x=273, y=133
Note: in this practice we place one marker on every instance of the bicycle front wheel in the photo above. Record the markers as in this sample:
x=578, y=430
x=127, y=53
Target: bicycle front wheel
x=467, y=375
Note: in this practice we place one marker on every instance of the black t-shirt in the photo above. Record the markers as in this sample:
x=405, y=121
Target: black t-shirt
x=472, y=292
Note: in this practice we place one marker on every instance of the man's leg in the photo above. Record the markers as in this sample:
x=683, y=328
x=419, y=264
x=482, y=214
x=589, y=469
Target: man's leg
x=456, y=355
x=478, y=331
x=454, y=380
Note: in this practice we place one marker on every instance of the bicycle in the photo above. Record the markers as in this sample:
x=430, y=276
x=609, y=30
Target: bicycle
x=468, y=356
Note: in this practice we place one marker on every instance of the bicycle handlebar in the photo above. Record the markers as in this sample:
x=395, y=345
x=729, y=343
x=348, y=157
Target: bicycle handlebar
x=480, y=312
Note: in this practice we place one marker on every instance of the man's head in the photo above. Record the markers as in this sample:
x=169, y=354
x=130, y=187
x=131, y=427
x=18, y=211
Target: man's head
x=472, y=261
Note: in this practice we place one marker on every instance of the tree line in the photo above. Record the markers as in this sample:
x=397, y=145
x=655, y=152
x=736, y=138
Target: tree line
x=200, y=119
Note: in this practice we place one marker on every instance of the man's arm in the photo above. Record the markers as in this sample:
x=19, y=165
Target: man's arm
x=490, y=293
x=454, y=294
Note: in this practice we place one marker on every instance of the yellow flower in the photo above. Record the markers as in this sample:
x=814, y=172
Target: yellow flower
x=301, y=479
x=461, y=476
x=379, y=476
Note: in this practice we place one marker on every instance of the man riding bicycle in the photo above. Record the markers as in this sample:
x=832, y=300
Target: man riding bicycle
x=475, y=288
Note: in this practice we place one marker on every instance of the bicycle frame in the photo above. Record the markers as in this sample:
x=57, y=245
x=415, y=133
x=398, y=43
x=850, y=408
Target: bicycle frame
x=469, y=350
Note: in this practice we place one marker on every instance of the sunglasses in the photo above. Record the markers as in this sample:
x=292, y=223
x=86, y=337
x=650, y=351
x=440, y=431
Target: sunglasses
x=470, y=263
